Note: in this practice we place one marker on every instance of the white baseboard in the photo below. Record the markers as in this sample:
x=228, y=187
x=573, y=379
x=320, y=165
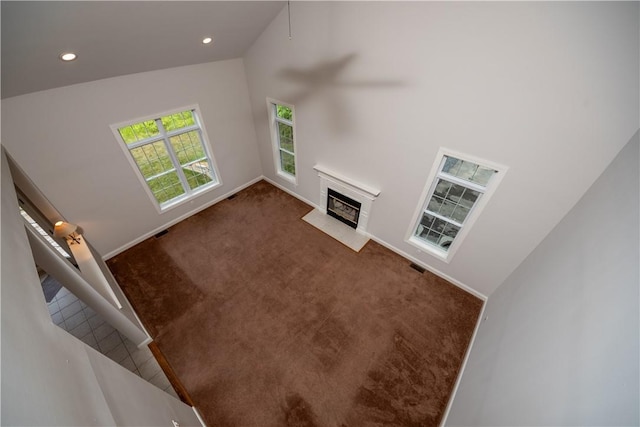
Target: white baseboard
x=146, y=342
x=429, y=268
x=291, y=193
x=460, y=285
x=390, y=247
x=462, y=368
x=310, y=203
x=180, y=218
x=199, y=416
x=374, y=238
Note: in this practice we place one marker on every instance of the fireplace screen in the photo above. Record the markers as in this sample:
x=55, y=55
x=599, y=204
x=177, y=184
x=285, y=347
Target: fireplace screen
x=343, y=208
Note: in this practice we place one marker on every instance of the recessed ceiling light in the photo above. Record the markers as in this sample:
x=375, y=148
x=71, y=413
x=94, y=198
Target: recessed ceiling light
x=68, y=56
x=207, y=40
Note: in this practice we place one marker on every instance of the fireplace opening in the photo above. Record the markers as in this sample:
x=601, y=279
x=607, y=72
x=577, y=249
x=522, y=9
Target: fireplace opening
x=343, y=208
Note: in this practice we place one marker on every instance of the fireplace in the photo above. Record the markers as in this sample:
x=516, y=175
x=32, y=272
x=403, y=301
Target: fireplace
x=343, y=208
x=345, y=199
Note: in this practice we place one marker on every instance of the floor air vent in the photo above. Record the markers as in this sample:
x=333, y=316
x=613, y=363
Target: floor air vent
x=160, y=234
x=417, y=268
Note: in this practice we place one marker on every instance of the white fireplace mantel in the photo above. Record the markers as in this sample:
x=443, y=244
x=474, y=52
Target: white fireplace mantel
x=369, y=192
x=350, y=188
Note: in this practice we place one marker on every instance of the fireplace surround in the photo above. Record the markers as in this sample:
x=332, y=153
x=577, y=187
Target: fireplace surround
x=351, y=194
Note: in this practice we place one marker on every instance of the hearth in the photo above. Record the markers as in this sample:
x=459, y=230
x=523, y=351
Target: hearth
x=343, y=208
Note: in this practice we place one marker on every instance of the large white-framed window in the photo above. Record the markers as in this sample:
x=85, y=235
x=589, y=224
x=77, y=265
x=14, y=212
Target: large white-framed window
x=282, y=126
x=171, y=155
x=458, y=188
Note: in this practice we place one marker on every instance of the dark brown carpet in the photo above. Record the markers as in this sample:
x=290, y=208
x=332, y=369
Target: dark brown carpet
x=270, y=322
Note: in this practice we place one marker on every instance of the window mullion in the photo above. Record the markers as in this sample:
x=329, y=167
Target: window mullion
x=174, y=158
x=163, y=173
x=285, y=121
x=180, y=131
x=462, y=182
x=204, y=146
x=444, y=218
x=194, y=161
x=143, y=142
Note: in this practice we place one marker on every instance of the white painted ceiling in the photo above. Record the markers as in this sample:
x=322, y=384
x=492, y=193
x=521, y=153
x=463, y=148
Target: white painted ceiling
x=113, y=38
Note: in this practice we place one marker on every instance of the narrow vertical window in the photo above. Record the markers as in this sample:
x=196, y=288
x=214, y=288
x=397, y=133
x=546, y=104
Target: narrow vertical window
x=281, y=117
x=171, y=155
x=452, y=203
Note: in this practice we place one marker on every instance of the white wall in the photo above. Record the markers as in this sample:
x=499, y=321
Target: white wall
x=62, y=140
x=548, y=89
x=50, y=214
x=48, y=376
x=560, y=345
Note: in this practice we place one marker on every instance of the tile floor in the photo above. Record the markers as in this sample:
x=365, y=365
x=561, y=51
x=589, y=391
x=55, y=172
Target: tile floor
x=72, y=315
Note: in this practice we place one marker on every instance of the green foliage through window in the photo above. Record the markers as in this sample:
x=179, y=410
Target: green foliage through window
x=173, y=163
x=284, y=112
x=284, y=145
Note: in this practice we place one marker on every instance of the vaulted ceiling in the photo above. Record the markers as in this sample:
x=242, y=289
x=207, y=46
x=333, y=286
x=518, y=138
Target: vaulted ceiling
x=118, y=38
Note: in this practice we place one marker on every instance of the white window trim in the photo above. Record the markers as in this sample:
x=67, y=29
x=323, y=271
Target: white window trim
x=167, y=206
x=474, y=213
x=274, y=139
